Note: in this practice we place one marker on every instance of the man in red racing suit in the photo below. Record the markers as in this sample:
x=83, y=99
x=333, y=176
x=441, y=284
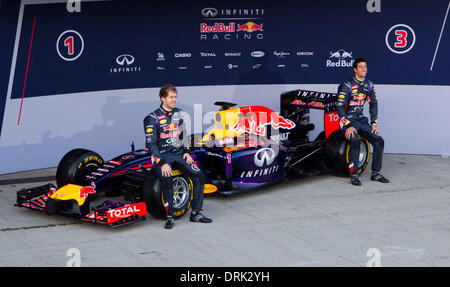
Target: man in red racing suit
x=352, y=95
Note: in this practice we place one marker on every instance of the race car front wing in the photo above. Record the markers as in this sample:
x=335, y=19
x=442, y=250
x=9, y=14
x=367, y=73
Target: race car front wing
x=110, y=213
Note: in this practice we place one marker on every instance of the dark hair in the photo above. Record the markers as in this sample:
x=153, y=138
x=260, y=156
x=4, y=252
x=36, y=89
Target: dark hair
x=357, y=61
x=164, y=92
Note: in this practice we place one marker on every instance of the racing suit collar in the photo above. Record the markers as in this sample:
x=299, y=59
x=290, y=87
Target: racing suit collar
x=164, y=110
x=359, y=81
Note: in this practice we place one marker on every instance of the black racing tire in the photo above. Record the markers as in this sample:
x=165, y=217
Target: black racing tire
x=152, y=194
x=337, y=153
x=344, y=152
x=75, y=165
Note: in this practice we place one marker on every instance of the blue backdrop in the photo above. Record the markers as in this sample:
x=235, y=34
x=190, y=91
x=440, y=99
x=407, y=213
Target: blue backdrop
x=139, y=44
x=297, y=42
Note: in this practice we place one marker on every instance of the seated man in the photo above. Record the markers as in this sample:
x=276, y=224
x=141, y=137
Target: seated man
x=163, y=129
x=352, y=95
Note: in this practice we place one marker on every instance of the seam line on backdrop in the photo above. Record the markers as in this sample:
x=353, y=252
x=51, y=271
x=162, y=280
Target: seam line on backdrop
x=26, y=71
x=439, y=40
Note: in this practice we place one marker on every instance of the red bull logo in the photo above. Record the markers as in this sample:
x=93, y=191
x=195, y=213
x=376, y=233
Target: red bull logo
x=171, y=130
x=171, y=127
x=250, y=27
x=357, y=99
x=254, y=119
x=86, y=190
x=217, y=28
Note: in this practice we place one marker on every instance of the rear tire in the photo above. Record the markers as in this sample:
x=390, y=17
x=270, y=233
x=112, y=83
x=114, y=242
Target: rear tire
x=337, y=151
x=75, y=165
x=152, y=195
x=364, y=155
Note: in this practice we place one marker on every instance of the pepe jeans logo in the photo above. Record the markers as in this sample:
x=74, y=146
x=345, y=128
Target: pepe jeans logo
x=264, y=156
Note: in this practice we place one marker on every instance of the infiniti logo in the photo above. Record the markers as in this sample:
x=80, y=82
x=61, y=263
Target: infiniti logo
x=124, y=63
x=265, y=155
x=122, y=59
x=209, y=12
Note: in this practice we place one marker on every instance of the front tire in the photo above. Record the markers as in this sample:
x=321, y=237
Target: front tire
x=75, y=165
x=152, y=194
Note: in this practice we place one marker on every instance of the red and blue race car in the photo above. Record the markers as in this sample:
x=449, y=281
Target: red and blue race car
x=247, y=148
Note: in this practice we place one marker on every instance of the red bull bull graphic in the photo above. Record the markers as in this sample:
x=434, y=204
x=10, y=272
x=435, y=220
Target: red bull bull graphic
x=254, y=119
x=171, y=130
x=171, y=127
x=358, y=99
x=250, y=27
x=86, y=190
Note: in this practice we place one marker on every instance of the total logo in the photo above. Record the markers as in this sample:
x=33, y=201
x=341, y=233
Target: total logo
x=116, y=214
x=125, y=64
x=205, y=55
x=340, y=59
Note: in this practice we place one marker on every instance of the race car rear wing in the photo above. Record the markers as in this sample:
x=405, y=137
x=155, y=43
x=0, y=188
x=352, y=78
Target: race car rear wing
x=295, y=106
x=309, y=99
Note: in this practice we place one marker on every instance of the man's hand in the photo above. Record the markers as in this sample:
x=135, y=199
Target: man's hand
x=187, y=157
x=166, y=170
x=350, y=133
x=375, y=129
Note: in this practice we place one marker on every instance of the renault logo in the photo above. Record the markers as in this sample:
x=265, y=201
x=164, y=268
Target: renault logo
x=209, y=12
x=125, y=59
x=264, y=156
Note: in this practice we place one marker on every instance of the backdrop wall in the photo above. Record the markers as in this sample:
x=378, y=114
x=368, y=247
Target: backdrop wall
x=87, y=79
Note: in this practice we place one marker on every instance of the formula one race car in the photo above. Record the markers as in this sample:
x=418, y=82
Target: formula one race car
x=248, y=147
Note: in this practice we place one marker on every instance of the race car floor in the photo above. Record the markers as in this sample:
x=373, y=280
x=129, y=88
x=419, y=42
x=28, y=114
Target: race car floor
x=316, y=221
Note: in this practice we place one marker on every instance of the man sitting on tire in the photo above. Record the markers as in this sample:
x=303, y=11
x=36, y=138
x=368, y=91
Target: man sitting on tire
x=352, y=95
x=164, y=131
